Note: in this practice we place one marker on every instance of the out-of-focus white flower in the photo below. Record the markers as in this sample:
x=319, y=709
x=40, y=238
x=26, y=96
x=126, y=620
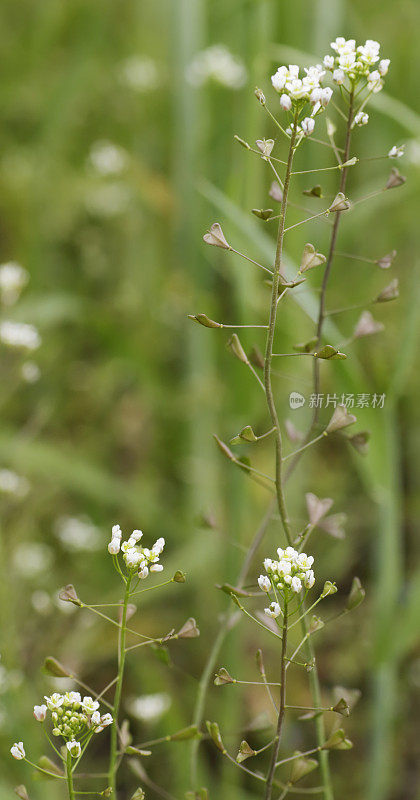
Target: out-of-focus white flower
x=32, y=558
x=89, y=704
x=264, y=583
x=109, y=199
x=74, y=748
x=361, y=118
x=108, y=158
x=11, y=483
x=328, y=62
x=77, y=534
x=13, y=278
x=19, y=334
x=18, y=751
x=140, y=73
x=41, y=602
x=308, y=125
x=149, y=707
x=273, y=610
x=217, y=64
x=30, y=372
x=396, y=151
x=40, y=712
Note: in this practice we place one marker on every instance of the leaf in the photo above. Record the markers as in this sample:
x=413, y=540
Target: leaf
x=245, y=751
x=216, y=237
x=341, y=418
x=329, y=353
x=337, y=741
x=246, y=435
x=203, y=319
x=317, y=508
x=189, y=630
x=356, y=596
x=214, y=733
x=222, y=677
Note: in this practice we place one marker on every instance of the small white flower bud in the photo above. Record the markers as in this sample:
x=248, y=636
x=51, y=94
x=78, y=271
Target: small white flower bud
x=309, y=579
x=315, y=96
x=328, y=62
x=40, y=712
x=116, y=532
x=114, y=546
x=296, y=584
x=156, y=568
x=285, y=102
x=264, y=583
x=18, y=751
x=396, y=152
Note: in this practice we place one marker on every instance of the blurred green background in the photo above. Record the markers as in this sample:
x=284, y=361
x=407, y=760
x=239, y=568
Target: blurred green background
x=116, y=153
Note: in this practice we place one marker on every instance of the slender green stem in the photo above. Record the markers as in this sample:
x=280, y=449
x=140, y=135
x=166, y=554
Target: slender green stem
x=112, y=776
x=270, y=339
x=282, y=710
x=69, y=775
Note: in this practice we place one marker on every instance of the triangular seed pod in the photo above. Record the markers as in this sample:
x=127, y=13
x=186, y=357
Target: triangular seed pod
x=395, y=179
x=245, y=751
x=356, y=595
x=301, y=767
x=315, y=191
x=391, y=292
x=189, y=630
x=317, y=508
x=276, y=192
x=216, y=237
x=222, y=677
x=262, y=213
x=341, y=418
x=367, y=325
x=386, y=261
x=330, y=353
x=340, y=203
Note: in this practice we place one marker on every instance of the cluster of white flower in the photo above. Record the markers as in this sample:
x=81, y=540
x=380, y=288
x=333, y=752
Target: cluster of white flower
x=72, y=717
x=108, y=158
x=291, y=573
x=13, y=278
x=140, y=73
x=217, y=64
x=12, y=483
x=295, y=92
x=19, y=334
x=354, y=63
x=141, y=559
